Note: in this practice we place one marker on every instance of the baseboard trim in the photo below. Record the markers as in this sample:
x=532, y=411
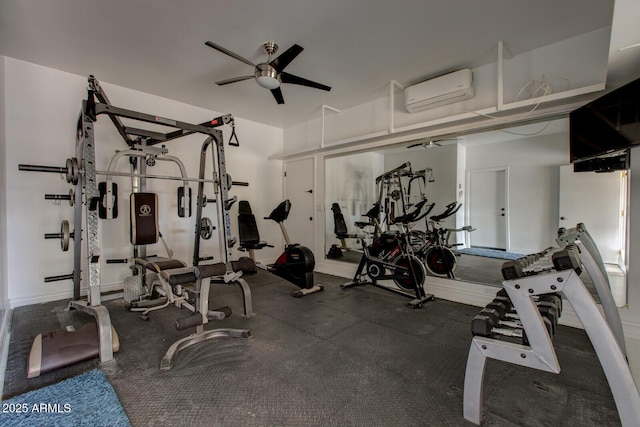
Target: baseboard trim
x=55, y=296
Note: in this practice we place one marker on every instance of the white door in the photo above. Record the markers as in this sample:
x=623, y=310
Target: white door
x=487, y=209
x=597, y=200
x=298, y=188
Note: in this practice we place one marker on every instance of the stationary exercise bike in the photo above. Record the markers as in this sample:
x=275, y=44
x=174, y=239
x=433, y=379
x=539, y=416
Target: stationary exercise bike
x=390, y=257
x=433, y=246
x=296, y=263
x=430, y=246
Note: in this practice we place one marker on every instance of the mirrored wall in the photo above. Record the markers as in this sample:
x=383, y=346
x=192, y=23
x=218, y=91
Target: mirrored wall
x=514, y=187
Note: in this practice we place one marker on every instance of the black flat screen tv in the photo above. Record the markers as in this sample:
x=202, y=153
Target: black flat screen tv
x=606, y=125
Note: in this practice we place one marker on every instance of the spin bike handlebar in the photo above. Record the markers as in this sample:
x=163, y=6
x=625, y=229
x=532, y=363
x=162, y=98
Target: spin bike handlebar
x=451, y=209
x=414, y=215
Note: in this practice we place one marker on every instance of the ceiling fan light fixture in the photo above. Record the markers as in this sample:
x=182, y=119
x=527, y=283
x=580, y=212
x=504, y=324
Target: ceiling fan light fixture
x=267, y=76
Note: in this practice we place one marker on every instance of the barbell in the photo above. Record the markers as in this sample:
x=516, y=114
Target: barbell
x=72, y=173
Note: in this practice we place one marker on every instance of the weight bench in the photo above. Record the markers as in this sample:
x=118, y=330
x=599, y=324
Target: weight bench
x=340, y=227
x=248, y=230
x=179, y=284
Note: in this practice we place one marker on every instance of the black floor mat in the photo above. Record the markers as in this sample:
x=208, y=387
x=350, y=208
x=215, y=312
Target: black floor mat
x=352, y=357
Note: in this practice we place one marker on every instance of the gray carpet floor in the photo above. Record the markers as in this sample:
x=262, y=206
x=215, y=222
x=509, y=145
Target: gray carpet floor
x=342, y=357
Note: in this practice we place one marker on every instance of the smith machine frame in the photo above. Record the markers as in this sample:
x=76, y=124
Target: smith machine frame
x=81, y=172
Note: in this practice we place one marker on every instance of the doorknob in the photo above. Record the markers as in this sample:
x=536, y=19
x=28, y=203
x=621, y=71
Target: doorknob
x=562, y=218
x=310, y=191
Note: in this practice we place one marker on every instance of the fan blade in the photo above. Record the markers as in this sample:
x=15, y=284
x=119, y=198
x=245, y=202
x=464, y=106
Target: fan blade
x=277, y=94
x=419, y=144
x=286, y=57
x=233, y=80
x=231, y=54
x=290, y=78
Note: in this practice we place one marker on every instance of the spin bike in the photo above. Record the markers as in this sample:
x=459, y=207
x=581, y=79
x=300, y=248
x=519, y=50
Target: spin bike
x=433, y=245
x=297, y=262
x=390, y=257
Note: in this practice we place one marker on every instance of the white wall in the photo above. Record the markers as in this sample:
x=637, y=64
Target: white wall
x=533, y=185
x=3, y=200
x=631, y=314
x=42, y=107
x=569, y=64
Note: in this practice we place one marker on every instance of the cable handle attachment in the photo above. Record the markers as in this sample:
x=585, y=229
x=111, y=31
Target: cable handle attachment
x=227, y=119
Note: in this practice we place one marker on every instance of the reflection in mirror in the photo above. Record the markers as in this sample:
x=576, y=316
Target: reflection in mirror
x=514, y=186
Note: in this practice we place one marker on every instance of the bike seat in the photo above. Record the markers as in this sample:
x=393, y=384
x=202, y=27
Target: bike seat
x=361, y=224
x=374, y=212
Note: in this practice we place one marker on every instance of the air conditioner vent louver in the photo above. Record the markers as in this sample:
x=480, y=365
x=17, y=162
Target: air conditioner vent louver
x=443, y=90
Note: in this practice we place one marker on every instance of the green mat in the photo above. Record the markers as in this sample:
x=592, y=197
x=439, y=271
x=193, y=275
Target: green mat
x=85, y=400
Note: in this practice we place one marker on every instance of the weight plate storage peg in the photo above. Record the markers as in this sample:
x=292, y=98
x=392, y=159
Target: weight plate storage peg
x=64, y=235
x=71, y=197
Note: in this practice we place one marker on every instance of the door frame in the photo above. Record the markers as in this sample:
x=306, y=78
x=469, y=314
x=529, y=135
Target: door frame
x=467, y=200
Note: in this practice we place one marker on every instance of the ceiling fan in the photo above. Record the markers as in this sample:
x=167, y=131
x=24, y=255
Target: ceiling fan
x=430, y=143
x=270, y=75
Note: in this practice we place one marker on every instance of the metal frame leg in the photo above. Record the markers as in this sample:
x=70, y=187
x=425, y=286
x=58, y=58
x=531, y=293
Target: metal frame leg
x=103, y=321
x=473, y=383
x=167, y=361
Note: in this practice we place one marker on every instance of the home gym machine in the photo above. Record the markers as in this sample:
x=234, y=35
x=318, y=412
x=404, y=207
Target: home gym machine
x=390, y=257
x=391, y=191
x=519, y=324
x=394, y=190
x=92, y=201
x=295, y=264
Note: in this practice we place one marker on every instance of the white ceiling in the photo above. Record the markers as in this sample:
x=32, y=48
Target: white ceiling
x=355, y=46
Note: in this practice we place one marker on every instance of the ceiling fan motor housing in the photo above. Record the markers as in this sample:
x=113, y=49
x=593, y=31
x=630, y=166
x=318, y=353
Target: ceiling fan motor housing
x=267, y=76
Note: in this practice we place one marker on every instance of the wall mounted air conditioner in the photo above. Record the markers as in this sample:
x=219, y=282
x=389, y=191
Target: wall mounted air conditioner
x=443, y=90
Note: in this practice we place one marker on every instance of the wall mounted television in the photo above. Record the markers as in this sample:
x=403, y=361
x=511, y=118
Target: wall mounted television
x=606, y=127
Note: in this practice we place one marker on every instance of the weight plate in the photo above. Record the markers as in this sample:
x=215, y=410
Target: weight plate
x=73, y=173
x=65, y=235
x=206, y=228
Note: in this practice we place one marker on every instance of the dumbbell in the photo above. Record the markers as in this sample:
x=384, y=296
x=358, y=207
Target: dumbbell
x=489, y=319
x=552, y=297
x=547, y=309
x=488, y=324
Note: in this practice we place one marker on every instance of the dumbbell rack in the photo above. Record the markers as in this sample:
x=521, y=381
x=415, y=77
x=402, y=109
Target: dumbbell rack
x=527, y=279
